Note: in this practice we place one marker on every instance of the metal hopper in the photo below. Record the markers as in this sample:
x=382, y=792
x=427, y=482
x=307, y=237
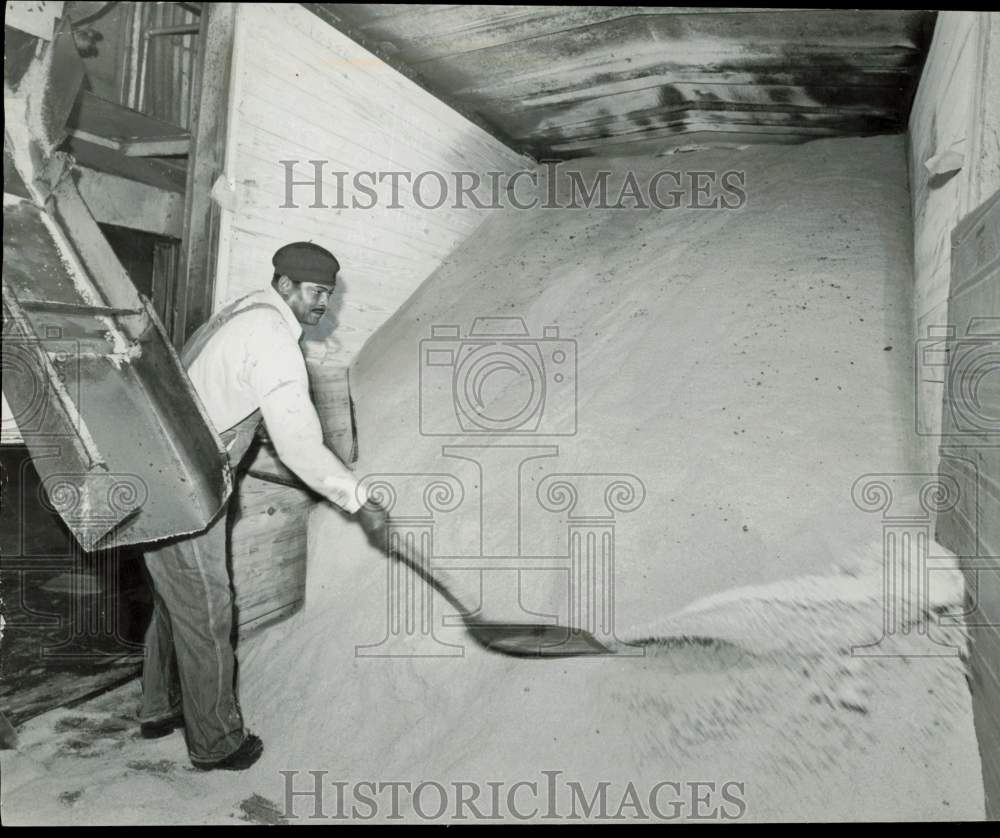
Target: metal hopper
x=122, y=443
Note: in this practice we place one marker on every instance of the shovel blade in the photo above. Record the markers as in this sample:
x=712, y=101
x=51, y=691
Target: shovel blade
x=536, y=640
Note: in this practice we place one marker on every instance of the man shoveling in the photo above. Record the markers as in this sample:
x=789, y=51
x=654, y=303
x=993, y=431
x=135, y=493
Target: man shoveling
x=246, y=366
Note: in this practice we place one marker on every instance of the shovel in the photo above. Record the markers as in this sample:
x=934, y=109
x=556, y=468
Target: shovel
x=525, y=640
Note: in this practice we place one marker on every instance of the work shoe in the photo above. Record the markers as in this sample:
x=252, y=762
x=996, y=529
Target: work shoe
x=163, y=727
x=239, y=760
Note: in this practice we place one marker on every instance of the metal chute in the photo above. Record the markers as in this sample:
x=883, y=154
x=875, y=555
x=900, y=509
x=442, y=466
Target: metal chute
x=123, y=445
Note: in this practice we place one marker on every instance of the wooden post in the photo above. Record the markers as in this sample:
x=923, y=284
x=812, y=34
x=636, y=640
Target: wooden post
x=199, y=245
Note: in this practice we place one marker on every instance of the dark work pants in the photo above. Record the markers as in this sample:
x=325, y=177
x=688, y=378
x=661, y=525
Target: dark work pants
x=190, y=663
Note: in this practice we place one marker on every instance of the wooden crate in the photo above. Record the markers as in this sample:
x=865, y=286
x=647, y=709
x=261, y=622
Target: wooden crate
x=269, y=537
x=268, y=546
x=331, y=393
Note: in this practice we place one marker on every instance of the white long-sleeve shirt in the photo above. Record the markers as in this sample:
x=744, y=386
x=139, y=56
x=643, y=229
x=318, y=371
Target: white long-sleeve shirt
x=254, y=361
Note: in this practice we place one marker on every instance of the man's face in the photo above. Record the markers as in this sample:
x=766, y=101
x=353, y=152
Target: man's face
x=309, y=300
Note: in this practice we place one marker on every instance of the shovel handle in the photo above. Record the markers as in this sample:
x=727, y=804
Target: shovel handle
x=417, y=563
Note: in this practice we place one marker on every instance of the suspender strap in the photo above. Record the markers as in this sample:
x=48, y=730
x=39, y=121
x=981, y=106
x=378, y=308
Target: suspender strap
x=197, y=342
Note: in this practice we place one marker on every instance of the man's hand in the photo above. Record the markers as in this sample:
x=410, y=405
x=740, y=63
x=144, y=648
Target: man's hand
x=374, y=521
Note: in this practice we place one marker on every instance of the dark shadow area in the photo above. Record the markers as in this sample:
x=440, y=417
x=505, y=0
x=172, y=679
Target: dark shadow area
x=74, y=621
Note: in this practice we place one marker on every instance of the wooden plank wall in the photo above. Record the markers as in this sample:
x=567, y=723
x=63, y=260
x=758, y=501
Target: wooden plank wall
x=301, y=90
x=956, y=279
x=304, y=91
x=956, y=107
x=970, y=456
x=199, y=239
